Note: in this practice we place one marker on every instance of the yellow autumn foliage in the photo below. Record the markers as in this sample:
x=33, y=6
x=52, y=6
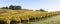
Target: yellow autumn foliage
x=18, y=15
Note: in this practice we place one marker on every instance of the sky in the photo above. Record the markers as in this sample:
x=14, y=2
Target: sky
x=4, y=3
x=48, y=5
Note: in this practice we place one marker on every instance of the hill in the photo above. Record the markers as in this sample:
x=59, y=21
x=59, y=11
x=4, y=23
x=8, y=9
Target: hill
x=8, y=15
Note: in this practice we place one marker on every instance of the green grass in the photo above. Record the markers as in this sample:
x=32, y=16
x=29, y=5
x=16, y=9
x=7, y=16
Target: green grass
x=49, y=20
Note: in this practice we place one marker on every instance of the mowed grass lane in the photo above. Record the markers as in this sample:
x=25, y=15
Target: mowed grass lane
x=48, y=20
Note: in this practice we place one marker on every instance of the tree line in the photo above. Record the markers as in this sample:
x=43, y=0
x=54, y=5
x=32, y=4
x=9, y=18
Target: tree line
x=12, y=7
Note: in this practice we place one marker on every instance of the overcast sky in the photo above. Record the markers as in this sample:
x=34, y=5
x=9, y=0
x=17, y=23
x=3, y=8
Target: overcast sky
x=49, y=5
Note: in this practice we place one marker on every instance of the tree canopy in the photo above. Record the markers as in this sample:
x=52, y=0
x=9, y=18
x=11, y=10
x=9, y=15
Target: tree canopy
x=12, y=7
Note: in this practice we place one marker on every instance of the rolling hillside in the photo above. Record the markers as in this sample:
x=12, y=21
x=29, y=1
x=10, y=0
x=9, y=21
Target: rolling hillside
x=7, y=15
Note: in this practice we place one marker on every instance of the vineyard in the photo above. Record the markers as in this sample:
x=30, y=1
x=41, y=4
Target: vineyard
x=19, y=15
